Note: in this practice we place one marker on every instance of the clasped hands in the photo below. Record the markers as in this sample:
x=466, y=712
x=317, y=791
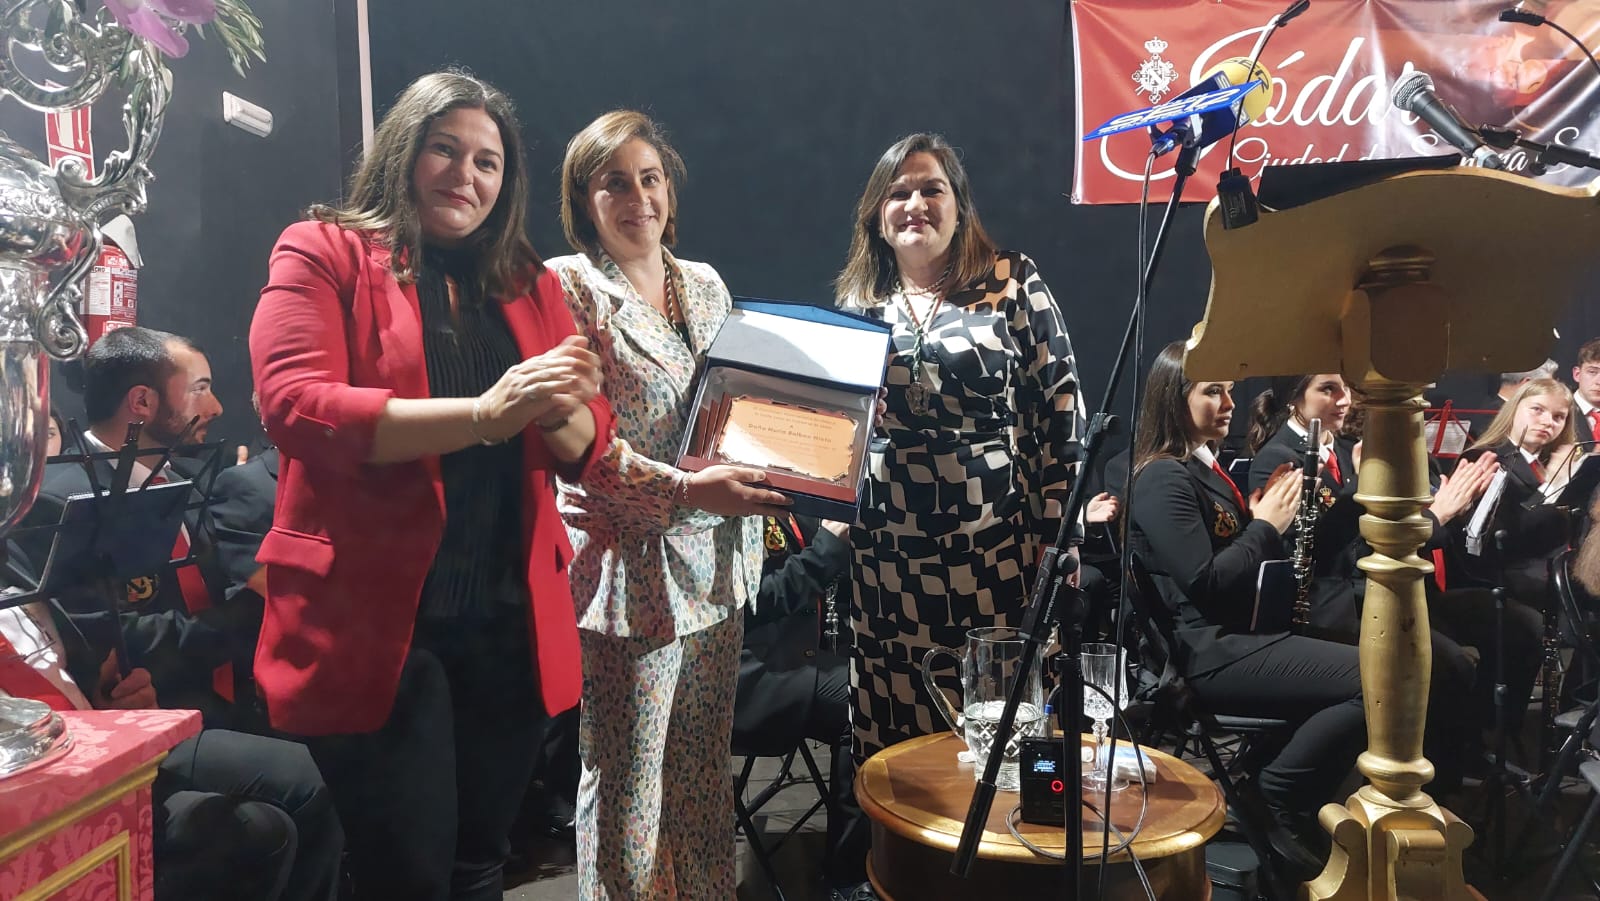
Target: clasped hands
x=546, y=390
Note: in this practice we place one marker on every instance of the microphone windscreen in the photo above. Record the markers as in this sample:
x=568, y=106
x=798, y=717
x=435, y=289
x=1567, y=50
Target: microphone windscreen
x=1407, y=89
x=1237, y=70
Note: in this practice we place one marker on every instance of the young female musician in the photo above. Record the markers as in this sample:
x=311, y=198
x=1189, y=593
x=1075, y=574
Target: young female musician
x=1534, y=440
x=1280, y=424
x=1203, y=543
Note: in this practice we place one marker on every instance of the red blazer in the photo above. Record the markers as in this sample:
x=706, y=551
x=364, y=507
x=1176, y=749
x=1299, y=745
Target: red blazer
x=334, y=337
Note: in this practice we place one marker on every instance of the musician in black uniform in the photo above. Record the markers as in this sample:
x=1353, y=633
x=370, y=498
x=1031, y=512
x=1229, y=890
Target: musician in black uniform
x=1460, y=619
x=1280, y=422
x=185, y=631
x=1203, y=545
x=1533, y=439
x=793, y=677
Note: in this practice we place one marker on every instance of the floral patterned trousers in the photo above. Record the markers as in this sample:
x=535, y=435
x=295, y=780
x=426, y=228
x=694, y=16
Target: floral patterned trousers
x=655, y=804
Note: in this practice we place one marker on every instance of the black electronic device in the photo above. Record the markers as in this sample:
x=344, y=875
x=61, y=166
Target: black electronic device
x=1042, y=774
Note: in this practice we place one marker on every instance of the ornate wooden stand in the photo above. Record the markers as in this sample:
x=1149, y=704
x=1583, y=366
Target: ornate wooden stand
x=1390, y=284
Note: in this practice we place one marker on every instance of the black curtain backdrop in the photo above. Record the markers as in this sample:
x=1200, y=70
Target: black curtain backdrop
x=780, y=111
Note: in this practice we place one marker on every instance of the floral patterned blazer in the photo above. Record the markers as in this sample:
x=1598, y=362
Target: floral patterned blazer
x=642, y=566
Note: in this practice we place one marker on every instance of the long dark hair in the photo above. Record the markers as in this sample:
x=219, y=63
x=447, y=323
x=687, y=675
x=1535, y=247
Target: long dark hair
x=1164, y=421
x=870, y=270
x=380, y=199
x=1273, y=406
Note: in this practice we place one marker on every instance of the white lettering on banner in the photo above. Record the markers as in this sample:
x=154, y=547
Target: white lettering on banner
x=1331, y=84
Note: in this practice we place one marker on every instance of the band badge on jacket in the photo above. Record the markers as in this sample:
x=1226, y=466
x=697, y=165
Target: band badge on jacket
x=776, y=541
x=142, y=588
x=1325, y=496
x=1226, y=525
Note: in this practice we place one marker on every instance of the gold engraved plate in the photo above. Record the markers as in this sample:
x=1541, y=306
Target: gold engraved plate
x=774, y=435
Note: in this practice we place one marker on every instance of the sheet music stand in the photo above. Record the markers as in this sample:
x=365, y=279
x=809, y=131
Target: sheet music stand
x=1581, y=484
x=118, y=531
x=1448, y=417
x=1391, y=282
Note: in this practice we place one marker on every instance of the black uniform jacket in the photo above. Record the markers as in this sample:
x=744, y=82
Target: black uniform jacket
x=180, y=648
x=1336, y=585
x=1204, y=554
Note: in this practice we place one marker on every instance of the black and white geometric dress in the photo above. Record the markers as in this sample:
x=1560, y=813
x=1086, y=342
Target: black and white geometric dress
x=955, y=512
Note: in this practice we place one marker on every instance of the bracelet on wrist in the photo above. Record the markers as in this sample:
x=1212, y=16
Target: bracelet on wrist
x=681, y=494
x=477, y=419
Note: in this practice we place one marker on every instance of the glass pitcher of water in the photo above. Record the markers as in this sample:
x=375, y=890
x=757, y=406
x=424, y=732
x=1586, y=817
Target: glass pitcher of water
x=990, y=664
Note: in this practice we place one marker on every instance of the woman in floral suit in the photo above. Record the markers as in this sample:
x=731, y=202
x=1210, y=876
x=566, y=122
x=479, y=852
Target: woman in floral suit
x=662, y=563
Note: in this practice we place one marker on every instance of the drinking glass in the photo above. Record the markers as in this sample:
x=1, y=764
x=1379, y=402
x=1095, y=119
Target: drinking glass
x=1102, y=669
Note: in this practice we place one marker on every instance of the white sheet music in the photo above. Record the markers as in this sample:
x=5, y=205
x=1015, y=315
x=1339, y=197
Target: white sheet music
x=1483, y=514
x=1455, y=437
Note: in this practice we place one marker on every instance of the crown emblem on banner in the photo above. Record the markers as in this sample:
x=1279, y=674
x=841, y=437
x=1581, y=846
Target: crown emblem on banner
x=1155, y=76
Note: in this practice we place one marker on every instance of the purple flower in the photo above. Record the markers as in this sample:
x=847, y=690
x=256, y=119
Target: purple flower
x=162, y=21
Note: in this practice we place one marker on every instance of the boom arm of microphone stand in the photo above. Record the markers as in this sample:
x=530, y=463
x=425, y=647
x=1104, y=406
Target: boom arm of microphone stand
x=1506, y=138
x=1041, y=607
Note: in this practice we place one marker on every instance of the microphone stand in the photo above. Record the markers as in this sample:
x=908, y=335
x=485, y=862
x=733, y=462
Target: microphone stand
x=1043, y=610
x=1545, y=154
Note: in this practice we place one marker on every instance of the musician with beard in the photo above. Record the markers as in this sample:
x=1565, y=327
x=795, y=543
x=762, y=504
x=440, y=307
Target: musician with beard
x=184, y=633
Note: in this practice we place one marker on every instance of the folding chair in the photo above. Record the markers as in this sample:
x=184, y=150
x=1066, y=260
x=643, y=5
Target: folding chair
x=1178, y=706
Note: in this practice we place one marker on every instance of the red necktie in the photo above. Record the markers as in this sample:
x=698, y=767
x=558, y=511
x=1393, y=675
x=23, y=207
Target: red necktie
x=20, y=680
x=1237, y=497
x=1538, y=470
x=197, y=597
x=1332, y=468
x=1594, y=423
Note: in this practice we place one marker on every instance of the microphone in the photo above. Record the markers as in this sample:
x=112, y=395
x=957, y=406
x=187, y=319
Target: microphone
x=1204, y=129
x=1235, y=198
x=1295, y=9
x=1522, y=17
x=1414, y=94
x=1528, y=17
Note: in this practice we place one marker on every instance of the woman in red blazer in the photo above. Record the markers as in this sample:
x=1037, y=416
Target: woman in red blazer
x=418, y=370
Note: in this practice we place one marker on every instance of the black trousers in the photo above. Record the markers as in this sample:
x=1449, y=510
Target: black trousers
x=428, y=800
x=849, y=832
x=242, y=817
x=1466, y=618
x=1314, y=684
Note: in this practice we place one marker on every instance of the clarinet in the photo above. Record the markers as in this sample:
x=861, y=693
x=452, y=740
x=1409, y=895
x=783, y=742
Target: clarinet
x=1305, y=527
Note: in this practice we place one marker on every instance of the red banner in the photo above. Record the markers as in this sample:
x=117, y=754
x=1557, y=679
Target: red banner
x=1332, y=71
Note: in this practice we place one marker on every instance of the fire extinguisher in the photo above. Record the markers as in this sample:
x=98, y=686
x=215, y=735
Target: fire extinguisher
x=111, y=300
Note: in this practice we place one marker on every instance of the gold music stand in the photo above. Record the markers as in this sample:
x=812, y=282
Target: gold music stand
x=1390, y=284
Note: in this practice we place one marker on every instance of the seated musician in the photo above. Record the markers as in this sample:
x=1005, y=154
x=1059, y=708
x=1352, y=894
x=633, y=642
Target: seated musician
x=793, y=681
x=1533, y=439
x=1203, y=544
x=1280, y=422
x=237, y=816
x=1586, y=567
x=1460, y=619
x=196, y=644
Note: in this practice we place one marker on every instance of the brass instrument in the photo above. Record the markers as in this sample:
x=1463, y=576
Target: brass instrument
x=1305, y=528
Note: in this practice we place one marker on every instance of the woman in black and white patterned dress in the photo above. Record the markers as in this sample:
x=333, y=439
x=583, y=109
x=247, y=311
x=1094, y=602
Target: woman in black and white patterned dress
x=982, y=411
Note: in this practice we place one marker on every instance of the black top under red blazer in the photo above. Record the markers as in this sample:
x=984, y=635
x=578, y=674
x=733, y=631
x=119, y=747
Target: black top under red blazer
x=1204, y=554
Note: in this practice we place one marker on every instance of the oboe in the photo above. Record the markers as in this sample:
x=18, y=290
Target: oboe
x=1305, y=527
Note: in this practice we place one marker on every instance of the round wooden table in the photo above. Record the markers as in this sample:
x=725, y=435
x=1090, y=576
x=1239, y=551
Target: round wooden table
x=917, y=795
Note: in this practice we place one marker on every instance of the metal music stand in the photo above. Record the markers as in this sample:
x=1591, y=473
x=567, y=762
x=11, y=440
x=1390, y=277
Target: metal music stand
x=114, y=532
x=1390, y=282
